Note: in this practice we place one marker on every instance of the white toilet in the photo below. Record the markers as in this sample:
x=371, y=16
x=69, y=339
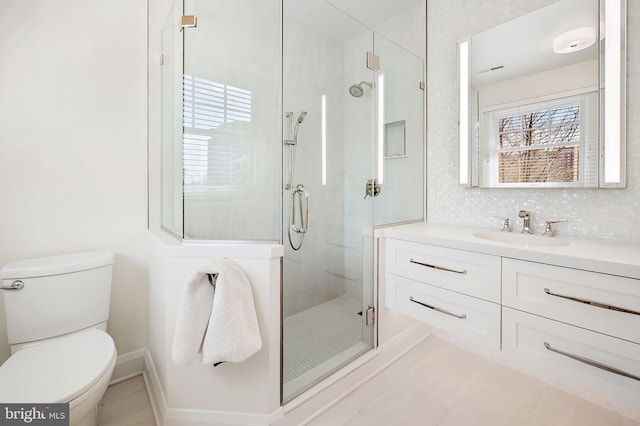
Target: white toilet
x=57, y=310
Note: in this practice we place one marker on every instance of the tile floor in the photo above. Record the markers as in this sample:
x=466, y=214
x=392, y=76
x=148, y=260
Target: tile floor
x=127, y=404
x=436, y=383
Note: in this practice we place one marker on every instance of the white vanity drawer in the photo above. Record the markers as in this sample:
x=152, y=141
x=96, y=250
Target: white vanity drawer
x=605, y=303
x=470, y=273
x=469, y=317
x=603, y=363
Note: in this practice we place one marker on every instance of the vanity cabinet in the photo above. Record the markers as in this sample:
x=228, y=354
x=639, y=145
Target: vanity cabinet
x=555, y=315
x=595, y=360
x=455, y=290
x=581, y=325
x=604, y=303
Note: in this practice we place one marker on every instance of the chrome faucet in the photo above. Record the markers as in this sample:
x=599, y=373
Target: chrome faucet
x=526, y=224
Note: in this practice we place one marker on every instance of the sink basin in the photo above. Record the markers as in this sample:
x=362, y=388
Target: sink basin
x=521, y=239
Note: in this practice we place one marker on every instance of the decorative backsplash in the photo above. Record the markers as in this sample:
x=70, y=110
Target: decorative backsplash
x=604, y=213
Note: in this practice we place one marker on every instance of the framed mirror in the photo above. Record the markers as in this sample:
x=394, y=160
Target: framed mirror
x=541, y=99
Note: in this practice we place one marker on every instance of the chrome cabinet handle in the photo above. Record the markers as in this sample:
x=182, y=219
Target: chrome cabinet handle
x=15, y=285
x=440, y=268
x=592, y=363
x=435, y=308
x=592, y=303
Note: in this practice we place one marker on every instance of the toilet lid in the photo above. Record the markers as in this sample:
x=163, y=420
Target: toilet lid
x=57, y=371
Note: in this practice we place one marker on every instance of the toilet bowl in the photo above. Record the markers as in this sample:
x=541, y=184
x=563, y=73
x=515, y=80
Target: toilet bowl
x=73, y=369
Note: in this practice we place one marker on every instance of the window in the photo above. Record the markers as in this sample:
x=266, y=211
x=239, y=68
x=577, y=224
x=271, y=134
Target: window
x=216, y=146
x=543, y=143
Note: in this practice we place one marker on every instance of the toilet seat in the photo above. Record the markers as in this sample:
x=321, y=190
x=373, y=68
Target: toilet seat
x=57, y=371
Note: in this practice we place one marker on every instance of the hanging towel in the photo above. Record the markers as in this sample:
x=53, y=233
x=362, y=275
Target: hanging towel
x=193, y=317
x=228, y=332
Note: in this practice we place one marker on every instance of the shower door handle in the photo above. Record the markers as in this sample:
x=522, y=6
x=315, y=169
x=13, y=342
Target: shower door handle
x=372, y=188
x=302, y=195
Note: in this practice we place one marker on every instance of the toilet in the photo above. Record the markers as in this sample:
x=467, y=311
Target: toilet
x=56, y=312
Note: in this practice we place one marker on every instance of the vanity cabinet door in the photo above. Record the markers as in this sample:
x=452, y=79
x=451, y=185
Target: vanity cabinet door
x=469, y=317
x=465, y=272
x=604, y=363
x=605, y=303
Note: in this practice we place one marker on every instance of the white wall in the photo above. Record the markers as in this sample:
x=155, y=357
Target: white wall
x=610, y=213
x=73, y=143
x=576, y=77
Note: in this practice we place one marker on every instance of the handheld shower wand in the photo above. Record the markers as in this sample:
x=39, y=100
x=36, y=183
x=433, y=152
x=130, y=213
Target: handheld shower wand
x=293, y=131
x=294, y=139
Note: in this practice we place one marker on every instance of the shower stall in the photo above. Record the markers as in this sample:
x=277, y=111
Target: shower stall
x=297, y=124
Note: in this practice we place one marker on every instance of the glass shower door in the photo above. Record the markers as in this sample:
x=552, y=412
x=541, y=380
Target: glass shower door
x=327, y=222
x=329, y=100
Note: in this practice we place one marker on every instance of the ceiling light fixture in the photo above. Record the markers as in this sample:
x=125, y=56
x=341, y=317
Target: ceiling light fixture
x=574, y=40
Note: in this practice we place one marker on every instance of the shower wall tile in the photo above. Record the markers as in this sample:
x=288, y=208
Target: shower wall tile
x=606, y=213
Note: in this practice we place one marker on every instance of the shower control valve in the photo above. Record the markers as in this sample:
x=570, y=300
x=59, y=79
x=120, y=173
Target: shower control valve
x=373, y=188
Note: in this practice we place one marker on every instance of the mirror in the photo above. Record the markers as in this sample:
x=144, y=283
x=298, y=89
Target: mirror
x=533, y=110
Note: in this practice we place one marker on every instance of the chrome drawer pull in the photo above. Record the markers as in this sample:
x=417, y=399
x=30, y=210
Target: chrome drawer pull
x=435, y=308
x=440, y=268
x=592, y=303
x=592, y=363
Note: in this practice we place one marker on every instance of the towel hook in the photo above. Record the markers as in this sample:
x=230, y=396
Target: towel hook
x=212, y=278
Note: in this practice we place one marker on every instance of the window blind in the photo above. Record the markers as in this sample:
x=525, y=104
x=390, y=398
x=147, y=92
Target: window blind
x=216, y=144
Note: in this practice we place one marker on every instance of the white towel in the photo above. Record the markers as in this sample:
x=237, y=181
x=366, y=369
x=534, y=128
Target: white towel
x=231, y=323
x=193, y=317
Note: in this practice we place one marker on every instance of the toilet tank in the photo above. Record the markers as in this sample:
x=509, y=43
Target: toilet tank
x=60, y=295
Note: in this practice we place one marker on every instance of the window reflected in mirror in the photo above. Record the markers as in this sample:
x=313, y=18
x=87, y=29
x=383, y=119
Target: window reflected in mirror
x=544, y=143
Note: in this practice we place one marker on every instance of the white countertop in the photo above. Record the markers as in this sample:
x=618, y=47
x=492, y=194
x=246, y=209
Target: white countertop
x=608, y=256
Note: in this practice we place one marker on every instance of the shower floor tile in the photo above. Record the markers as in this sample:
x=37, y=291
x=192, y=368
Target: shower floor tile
x=314, y=336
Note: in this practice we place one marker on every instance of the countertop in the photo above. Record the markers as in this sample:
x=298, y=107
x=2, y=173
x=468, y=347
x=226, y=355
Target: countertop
x=615, y=257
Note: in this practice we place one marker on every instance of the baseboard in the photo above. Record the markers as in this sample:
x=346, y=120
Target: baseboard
x=155, y=393
x=189, y=417
x=127, y=366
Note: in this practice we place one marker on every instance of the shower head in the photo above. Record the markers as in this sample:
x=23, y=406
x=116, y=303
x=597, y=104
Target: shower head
x=301, y=117
x=356, y=90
